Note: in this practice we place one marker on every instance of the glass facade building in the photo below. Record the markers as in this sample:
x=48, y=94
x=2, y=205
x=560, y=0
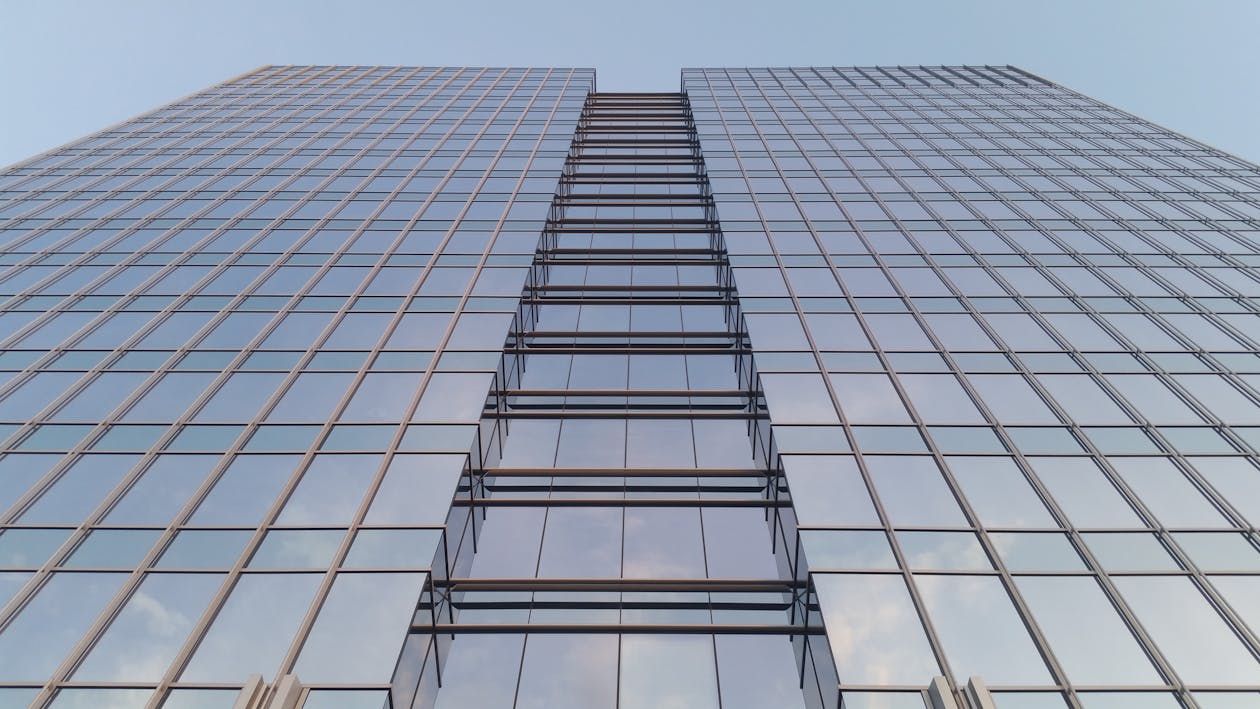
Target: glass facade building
x=873, y=388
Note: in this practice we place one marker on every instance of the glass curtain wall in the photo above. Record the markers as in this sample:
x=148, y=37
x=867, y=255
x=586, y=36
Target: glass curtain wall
x=247, y=338
x=623, y=554
x=1013, y=332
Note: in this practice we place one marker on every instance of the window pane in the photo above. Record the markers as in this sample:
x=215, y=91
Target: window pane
x=79, y=490
x=38, y=638
x=29, y=548
x=393, y=548
x=330, y=490
x=1036, y=551
x=162, y=490
x=205, y=549
x=981, y=632
x=1198, y=643
x=549, y=679
x=1084, y=493
x=999, y=492
x=417, y=489
x=297, y=549
x=913, y=491
x=943, y=551
x=828, y=489
x=254, y=628
x=141, y=641
x=866, y=398
x=874, y=631
x=1129, y=551
x=113, y=548
x=755, y=672
x=847, y=549
x=667, y=670
x=246, y=490
x=1086, y=634
x=360, y=628
x=798, y=398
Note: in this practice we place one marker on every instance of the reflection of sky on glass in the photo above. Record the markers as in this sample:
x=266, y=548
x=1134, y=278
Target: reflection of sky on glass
x=342, y=699
x=1129, y=551
x=416, y=489
x=163, y=489
x=659, y=444
x=757, y=671
x=204, y=549
x=828, y=489
x=1088, y=498
x=980, y=630
x=393, y=548
x=667, y=672
x=19, y=471
x=592, y=443
x=101, y=699
x=1237, y=479
x=330, y=489
x=847, y=549
x=297, y=549
x=1243, y=593
x=1195, y=639
x=1088, y=638
x=875, y=634
x=867, y=398
x=113, y=548
x=663, y=543
x=453, y=397
x=465, y=679
x=568, y=672
x=358, y=632
x=30, y=547
x=798, y=398
x=913, y=491
x=1167, y=493
x=580, y=543
x=79, y=489
x=888, y=700
x=200, y=698
x=736, y=544
x=10, y=582
x=1136, y=700
x=254, y=628
x=382, y=397
x=140, y=642
x=1036, y=551
x=245, y=490
x=998, y=492
x=952, y=551
x=35, y=642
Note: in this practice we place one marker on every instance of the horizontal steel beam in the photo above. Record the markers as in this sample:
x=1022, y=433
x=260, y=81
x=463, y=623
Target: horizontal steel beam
x=614, y=502
x=698, y=585
x=626, y=414
x=627, y=392
x=625, y=472
x=612, y=629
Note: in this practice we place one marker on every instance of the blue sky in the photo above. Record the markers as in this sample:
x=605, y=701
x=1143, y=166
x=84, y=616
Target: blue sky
x=68, y=68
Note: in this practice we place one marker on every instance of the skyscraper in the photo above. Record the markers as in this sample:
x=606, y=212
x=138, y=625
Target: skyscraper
x=874, y=388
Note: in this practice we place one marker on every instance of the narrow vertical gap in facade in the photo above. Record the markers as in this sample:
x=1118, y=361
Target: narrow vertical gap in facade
x=624, y=518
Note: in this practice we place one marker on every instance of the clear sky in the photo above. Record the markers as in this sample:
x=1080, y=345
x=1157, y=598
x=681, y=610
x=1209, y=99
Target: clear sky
x=68, y=68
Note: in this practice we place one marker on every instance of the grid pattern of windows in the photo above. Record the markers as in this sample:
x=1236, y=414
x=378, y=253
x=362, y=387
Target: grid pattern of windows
x=1008, y=340
x=247, y=339
x=1001, y=442
x=621, y=506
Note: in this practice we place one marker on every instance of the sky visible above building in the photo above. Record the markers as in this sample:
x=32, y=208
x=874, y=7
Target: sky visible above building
x=70, y=67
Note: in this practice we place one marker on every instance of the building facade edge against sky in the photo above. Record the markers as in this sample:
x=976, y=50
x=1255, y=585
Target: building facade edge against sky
x=1003, y=334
